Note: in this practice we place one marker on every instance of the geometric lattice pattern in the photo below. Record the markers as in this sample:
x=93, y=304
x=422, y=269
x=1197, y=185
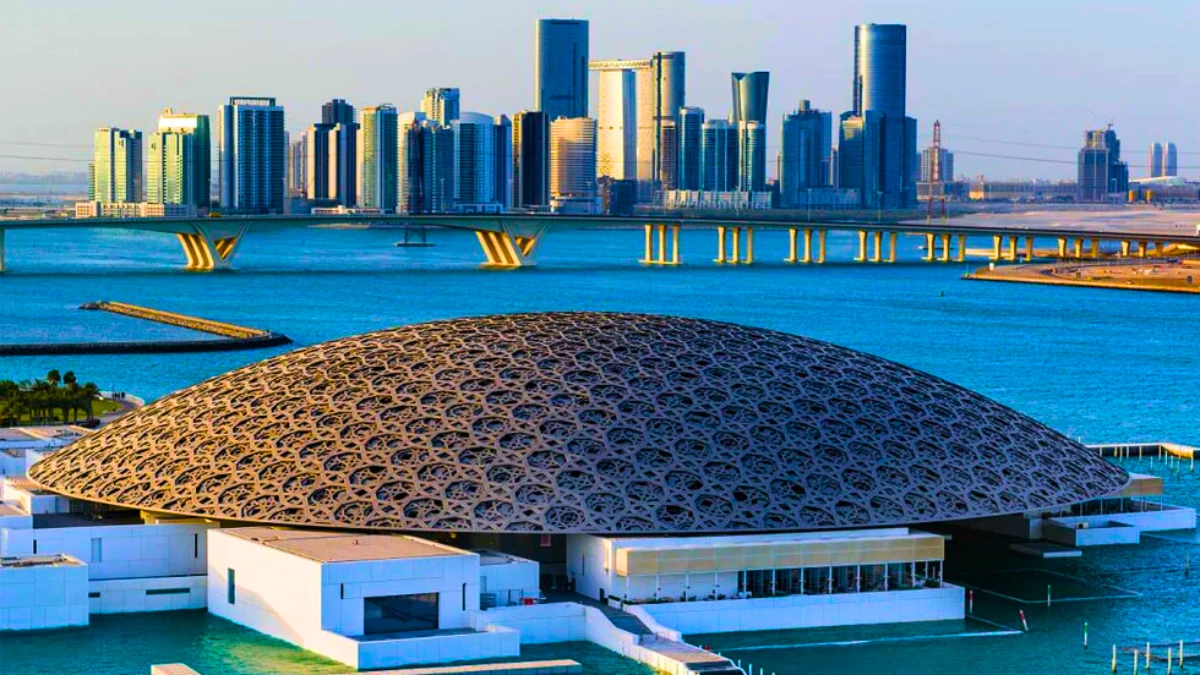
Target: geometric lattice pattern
x=579, y=422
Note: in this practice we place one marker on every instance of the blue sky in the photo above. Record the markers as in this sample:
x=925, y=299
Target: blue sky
x=1020, y=71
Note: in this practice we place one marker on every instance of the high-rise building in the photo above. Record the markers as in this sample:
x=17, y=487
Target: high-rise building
x=881, y=138
x=438, y=168
x=804, y=154
x=1163, y=160
x=669, y=154
x=116, y=168
x=573, y=163
x=441, y=104
x=1155, y=169
x=750, y=92
x=502, y=136
x=380, y=157
x=179, y=160
x=720, y=158
x=474, y=162
x=297, y=164
x=560, y=68
x=1170, y=161
x=410, y=162
x=1101, y=171
x=337, y=116
x=668, y=85
x=616, y=143
x=752, y=156
x=691, y=149
x=252, y=152
x=531, y=160
x=659, y=93
x=937, y=165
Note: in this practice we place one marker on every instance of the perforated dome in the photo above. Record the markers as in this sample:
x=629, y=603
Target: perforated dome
x=578, y=422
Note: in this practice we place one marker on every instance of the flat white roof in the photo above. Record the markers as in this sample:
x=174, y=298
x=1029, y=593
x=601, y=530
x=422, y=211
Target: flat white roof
x=331, y=547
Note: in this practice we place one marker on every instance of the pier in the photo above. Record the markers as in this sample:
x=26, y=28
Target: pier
x=231, y=337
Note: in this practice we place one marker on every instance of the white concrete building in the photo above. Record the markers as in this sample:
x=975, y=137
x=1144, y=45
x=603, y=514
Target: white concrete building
x=47, y=591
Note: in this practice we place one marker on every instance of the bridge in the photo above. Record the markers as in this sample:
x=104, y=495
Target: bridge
x=512, y=240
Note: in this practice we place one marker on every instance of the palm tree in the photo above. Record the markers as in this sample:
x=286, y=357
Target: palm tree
x=90, y=391
x=53, y=377
x=68, y=378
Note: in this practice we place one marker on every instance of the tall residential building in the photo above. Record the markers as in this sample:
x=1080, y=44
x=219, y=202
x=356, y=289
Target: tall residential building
x=531, y=160
x=573, y=160
x=438, y=168
x=297, y=164
x=750, y=92
x=441, y=104
x=502, y=136
x=380, y=157
x=881, y=138
x=1155, y=170
x=560, y=68
x=752, y=156
x=659, y=92
x=474, y=162
x=339, y=117
x=616, y=142
x=669, y=154
x=179, y=160
x=116, y=168
x=691, y=149
x=1170, y=161
x=720, y=159
x=1101, y=171
x=804, y=154
x=937, y=165
x=411, y=128
x=252, y=151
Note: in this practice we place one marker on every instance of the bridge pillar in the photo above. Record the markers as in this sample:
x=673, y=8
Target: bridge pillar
x=862, y=247
x=929, y=247
x=878, y=255
x=1012, y=248
x=648, y=257
x=1096, y=249
x=1079, y=248
x=821, y=246
x=720, y=244
x=1159, y=250
x=962, y=248
x=891, y=247
x=504, y=247
x=1124, y=249
x=207, y=251
x=808, y=245
x=791, y=246
x=1141, y=249
x=674, y=244
x=1062, y=247
x=945, y=247
x=1028, y=249
x=996, y=247
x=737, y=244
x=749, y=245
x=662, y=244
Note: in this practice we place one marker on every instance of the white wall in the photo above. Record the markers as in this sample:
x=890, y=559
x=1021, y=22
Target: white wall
x=43, y=596
x=538, y=624
x=805, y=611
x=126, y=551
x=118, y=596
x=510, y=581
x=589, y=560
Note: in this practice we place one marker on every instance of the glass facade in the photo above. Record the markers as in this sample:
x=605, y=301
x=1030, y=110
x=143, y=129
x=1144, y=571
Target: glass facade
x=561, y=67
x=380, y=161
x=531, y=160
x=805, y=153
x=691, y=151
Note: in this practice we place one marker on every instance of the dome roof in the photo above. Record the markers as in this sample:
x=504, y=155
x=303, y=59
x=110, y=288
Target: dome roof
x=578, y=422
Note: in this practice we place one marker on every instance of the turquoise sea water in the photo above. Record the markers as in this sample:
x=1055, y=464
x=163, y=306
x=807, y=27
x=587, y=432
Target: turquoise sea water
x=1106, y=366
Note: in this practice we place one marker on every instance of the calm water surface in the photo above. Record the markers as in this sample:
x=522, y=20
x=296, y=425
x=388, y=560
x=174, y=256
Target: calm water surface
x=1105, y=366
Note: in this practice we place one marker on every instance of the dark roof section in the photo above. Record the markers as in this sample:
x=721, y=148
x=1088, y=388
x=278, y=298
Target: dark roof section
x=579, y=422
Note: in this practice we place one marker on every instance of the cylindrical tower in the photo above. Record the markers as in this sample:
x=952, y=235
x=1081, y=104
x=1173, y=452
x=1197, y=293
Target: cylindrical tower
x=880, y=68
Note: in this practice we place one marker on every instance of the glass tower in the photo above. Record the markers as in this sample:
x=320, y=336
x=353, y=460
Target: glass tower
x=561, y=67
x=380, y=165
x=691, y=152
x=116, y=168
x=531, y=159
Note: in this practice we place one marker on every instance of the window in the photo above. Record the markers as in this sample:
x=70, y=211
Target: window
x=97, y=550
x=230, y=588
x=167, y=591
x=400, y=613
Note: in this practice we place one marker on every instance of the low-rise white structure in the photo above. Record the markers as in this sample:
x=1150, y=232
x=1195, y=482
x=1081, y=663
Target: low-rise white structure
x=371, y=601
x=42, y=592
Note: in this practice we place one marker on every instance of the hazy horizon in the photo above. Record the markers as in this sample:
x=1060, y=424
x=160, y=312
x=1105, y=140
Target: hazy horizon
x=1029, y=74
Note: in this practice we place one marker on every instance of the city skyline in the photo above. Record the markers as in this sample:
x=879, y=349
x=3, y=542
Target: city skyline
x=1063, y=92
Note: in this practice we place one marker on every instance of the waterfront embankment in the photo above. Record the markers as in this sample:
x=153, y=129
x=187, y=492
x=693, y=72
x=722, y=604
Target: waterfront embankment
x=230, y=337
x=1162, y=275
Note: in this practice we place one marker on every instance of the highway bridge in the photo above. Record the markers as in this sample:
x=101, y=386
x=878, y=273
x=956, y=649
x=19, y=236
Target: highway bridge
x=512, y=240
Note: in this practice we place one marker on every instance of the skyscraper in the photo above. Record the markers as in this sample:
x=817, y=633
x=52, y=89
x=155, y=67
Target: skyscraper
x=691, y=149
x=252, y=152
x=573, y=163
x=441, y=104
x=669, y=87
x=502, y=136
x=1101, y=171
x=179, y=160
x=531, y=160
x=804, y=153
x=668, y=155
x=1155, y=169
x=750, y=92
x=560, y=68
x=616, y=143
x=438, y=168
x=338, y=121
x=883, y=167
x=116, y=168
x=297, y=164
x=380, y=157
x=1170, y=161
x=1163, y=160
x=720, y=158
x=410, y=162
x=474, y=162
